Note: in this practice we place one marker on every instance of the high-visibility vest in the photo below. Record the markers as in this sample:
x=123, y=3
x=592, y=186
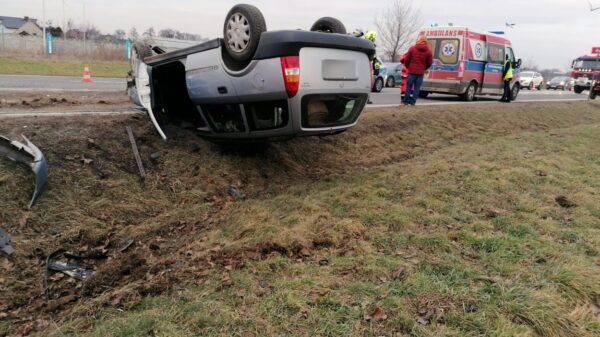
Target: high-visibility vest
x=509, y=73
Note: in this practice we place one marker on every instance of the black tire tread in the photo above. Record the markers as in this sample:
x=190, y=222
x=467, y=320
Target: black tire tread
x=329, y=25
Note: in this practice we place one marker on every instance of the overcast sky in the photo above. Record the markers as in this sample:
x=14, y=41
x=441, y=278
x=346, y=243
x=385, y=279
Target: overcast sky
x=548, y=32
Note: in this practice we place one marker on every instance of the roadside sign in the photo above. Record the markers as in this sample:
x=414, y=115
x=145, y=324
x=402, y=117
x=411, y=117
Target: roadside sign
x=596, y=50
x=50, y=39
x=128, y=45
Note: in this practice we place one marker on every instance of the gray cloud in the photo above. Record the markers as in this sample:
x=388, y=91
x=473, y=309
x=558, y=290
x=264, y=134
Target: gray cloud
x=549, y=32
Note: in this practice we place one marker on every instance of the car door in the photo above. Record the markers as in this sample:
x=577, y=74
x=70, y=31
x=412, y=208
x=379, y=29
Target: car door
x=492, y=77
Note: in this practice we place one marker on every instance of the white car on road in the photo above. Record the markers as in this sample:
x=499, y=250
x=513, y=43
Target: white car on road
x=531, y=79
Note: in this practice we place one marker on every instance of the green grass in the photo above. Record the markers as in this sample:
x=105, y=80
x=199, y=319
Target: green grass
x=18, y=66
x=477, y=230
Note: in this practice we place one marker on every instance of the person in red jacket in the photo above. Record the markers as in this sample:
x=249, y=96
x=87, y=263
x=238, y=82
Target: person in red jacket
x=417, y=60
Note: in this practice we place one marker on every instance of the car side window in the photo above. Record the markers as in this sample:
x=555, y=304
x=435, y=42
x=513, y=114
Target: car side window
x=511, y=54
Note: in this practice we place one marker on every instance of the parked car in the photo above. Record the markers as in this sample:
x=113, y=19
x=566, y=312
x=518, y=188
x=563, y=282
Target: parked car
x=560, y=83
x=379, y=79
x=468, y=63
x=531, y=79
x=393, y=76
x=255, y=84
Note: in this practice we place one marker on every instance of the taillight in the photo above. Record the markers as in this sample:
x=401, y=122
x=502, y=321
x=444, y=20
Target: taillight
x=290, y=66
x=461, y=69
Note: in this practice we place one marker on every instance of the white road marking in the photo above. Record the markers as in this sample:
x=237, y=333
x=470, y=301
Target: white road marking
x=67, y=114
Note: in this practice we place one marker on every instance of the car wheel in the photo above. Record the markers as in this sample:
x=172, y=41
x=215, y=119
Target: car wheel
x=469, y=95
x=578, y=90
x=139, y=52
x=592, y=94
x=423, y=94
x=515, y=91
x=530, y=87
x=329, y=25
x=391, y=82
x=378, y=86
x=243, y=27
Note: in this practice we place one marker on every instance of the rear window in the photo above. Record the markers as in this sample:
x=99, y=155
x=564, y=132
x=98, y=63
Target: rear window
x=445, y=50
x=320, y=111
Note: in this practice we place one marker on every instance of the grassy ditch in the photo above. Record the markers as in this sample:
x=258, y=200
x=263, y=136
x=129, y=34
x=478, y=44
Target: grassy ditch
x=422, y=222
x=24, y=66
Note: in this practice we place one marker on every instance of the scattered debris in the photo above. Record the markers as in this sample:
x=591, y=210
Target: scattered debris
x=426, y=315
x=155, y=157
x=5, y=246
x=126, y=246
x=399, y=274
x=379, y=315
x=540, y=173
x=94, y=254
x=75, y=271
x=30, y=155
x=323, y=262
x=136, y=153
x=564, y=202
x=235, y=193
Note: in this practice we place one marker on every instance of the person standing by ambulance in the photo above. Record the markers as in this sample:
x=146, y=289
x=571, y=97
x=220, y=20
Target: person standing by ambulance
x=417, y=60
x=507, y=75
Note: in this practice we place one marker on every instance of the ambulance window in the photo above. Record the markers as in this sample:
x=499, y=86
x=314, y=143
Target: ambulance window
x=448, y=52
x=495, y=53
x=511, y=55
x=433, y=45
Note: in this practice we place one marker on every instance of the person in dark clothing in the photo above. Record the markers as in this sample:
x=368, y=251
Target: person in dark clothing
x=417, y=60
x=507, y=75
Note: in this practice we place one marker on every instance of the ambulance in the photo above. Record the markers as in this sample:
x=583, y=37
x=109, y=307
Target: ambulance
x=468, y=63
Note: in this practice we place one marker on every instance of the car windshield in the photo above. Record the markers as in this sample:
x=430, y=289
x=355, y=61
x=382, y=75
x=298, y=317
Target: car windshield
x=527, y=74
x=586, y=64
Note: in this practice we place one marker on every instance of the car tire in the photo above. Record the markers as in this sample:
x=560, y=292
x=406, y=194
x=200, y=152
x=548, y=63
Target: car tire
x=378, y=85
x=469, y=95
x=242, y=29
x=514, y=92
x=391, y=82
x=592, y=95
x=423, y=94
x=578, y=90
x=329, y=25
x=530, y=87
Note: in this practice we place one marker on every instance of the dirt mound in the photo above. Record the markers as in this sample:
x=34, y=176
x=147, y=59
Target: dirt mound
x=95, y=198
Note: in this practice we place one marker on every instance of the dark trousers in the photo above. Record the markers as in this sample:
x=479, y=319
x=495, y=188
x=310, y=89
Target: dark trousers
x=410, y=97
x=507, y=96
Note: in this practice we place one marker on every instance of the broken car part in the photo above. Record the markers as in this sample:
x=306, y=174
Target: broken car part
x=5, y=243
x=30, y=155
x=136, y=153
x=75, y=271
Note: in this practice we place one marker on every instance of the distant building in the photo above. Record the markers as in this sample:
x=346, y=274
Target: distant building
x=20, y=26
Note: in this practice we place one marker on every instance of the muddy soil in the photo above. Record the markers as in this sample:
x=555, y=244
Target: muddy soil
x=96, y=202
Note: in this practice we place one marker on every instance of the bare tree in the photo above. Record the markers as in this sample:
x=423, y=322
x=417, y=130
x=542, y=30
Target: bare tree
x=397, y=28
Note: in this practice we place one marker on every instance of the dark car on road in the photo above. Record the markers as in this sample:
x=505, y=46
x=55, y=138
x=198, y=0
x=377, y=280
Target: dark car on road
x=560, y=83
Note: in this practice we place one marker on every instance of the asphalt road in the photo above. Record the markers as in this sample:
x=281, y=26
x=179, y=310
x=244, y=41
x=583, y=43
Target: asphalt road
x=389, y=96
x=35, y=83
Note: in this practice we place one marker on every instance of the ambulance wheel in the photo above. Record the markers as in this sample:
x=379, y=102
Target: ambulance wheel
x=469, y=95
x=329, y=25
x=423, y=94
x=242, y=29
x=515, y=91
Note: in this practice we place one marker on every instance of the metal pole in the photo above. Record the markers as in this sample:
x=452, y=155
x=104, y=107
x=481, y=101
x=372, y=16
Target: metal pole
x=2, y=33
x=44, y=24
x=84, y=29
x=64, y=22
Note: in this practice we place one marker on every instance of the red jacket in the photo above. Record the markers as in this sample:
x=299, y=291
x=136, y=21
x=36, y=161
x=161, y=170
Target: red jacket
x=418, y=59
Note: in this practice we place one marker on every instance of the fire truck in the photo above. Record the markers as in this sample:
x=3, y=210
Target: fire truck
x=586, y=72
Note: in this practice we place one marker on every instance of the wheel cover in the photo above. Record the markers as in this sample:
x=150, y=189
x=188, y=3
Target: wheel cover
x=238, y=32
x=379, y=85
x=471, y=91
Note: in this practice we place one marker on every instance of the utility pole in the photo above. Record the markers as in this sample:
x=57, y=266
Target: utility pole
x=84, y=29
x=64, y=22
x=44, y=24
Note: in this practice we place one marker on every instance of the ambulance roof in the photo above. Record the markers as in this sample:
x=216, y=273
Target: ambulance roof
x=464, y=29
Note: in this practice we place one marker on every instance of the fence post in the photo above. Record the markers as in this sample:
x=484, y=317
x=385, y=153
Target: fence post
x=2, y=34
